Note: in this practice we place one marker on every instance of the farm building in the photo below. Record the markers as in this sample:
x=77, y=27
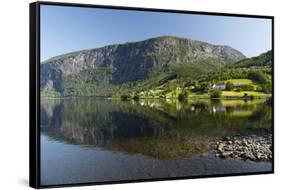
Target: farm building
x=219, y=86
x=238, y=84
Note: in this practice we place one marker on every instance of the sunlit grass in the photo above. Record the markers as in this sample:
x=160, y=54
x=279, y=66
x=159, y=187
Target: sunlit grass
x=244, y=81
x=241, y=94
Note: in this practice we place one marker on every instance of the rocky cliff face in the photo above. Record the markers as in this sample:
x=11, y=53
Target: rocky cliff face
x=132, y=61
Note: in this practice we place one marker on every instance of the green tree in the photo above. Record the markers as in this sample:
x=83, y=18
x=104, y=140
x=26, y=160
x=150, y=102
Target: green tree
x=238, y=89
x=267, y=88
x=257, y=76
x=247, y=87
x=215, y=94
x=259, y=88
x=229, y=86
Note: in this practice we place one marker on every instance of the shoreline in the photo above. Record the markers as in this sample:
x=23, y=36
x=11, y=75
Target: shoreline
x=191, y=98
x=246, y=147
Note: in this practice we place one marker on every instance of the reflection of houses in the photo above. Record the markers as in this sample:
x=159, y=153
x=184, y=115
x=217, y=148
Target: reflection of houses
x=219, y=86
x=219, y=109
x=190, y=87
x=192, y=108
x=178, y=88
x=240, y=110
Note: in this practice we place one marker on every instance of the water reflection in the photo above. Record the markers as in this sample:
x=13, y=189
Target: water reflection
x=157, y=128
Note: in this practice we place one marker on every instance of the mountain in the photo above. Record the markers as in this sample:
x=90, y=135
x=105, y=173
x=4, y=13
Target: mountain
x=101, y=71
x=264, y=59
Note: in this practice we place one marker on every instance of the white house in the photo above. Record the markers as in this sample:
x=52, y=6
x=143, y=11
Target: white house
x=219, y=86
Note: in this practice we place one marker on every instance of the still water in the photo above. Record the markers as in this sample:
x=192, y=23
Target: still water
x=96, y=140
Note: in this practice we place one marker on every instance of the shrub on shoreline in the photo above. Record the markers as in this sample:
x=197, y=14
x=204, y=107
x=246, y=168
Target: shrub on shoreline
x=215, y=94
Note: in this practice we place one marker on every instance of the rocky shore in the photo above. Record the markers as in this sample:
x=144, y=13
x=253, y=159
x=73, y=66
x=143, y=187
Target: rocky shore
x=252, y=147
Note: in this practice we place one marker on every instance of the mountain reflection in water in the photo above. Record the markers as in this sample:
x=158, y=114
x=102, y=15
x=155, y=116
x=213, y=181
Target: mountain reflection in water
x=161, y=129
x=92, y=140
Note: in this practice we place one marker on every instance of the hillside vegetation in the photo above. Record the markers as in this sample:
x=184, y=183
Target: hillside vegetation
x=162, y=67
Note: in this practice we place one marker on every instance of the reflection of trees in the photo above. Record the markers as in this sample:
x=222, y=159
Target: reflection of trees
x=263, y=115
x=157, y=128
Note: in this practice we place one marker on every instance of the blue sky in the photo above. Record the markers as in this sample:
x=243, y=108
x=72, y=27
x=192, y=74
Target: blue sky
x=67, y=29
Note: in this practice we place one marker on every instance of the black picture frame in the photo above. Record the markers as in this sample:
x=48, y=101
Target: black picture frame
x=34, y=90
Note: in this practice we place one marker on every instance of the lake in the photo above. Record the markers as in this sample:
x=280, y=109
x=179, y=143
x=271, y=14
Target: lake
x=97, y=140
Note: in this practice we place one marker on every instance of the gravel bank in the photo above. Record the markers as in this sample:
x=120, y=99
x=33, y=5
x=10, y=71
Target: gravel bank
x=252, y=147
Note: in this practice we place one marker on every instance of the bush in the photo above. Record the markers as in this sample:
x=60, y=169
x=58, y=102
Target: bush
x=215, y=94
x=267, y=88
x=238, y=89
x=247, y=87
x=229, y=86
x=258, y=88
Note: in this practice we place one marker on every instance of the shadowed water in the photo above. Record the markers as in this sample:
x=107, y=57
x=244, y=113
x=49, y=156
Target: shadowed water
x=94, y=140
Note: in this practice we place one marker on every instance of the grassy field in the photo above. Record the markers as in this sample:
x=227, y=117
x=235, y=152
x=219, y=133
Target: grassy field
x=203, y=96
x=244, y=81
x=241, y=94
x=232, y=94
